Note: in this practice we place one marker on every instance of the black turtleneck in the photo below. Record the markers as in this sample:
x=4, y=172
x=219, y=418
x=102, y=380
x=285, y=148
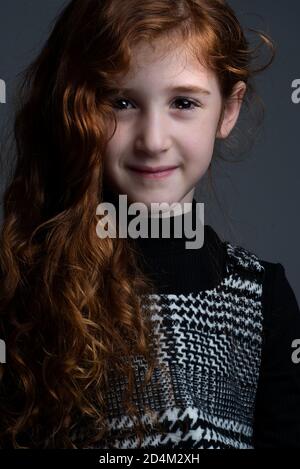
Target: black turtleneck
x=176, y=269
x=172, y=266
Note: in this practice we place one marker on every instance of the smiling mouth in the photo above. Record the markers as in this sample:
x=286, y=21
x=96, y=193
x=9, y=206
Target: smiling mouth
x=154, y=175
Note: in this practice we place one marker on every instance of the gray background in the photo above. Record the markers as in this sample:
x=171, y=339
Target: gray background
x=261, y=194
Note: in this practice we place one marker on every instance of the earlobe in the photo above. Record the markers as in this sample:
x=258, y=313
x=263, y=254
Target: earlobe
x=222, y=131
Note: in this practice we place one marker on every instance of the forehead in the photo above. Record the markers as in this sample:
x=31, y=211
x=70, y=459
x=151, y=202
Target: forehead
x=163, y=63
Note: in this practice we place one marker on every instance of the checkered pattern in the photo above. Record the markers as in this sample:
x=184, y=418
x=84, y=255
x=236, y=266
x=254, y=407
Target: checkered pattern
x=210, y=346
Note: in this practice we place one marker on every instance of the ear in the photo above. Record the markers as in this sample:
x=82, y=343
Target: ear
x=231, y=110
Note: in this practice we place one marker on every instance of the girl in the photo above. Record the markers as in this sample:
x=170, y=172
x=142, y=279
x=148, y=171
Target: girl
x=119, y=342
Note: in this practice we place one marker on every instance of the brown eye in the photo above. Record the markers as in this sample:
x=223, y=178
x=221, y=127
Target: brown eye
x=188, y=102
x=120, y=100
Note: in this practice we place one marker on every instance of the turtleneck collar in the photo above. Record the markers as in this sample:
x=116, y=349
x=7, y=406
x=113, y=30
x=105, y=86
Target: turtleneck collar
x=175, y=268
x=174, y=238
x=179, y=228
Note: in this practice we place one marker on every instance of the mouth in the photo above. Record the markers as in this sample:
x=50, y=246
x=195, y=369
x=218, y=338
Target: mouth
x=159, y=174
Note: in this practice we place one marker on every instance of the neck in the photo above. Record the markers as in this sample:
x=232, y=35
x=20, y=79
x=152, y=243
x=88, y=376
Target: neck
x=179, y=226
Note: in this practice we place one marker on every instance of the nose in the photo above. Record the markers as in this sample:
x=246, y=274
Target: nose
x=152, y=135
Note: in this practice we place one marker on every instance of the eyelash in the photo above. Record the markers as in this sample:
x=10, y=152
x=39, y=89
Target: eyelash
x=179, y=98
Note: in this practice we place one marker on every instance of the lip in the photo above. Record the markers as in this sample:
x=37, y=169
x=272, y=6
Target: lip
x=153, y=173
x=150, y=169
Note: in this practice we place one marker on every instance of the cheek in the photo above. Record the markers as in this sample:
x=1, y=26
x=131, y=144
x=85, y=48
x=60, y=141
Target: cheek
x=206, y=134
x=116, y=145
x=198, y=152
x=199, y=148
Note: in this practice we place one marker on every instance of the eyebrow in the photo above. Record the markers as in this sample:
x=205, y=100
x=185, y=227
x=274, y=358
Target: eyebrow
x=176, y=89
x=189, y=89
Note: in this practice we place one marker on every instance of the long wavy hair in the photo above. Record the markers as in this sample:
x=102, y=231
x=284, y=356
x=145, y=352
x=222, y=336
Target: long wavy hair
x=74, y=308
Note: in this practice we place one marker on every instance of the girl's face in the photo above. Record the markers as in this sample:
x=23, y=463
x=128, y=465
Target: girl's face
x=158, y=125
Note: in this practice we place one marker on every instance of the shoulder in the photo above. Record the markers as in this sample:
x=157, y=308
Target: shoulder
x=234, y=255
x=236, y=259
x=281, y=308
x=276, y=283
x=278, y=297
x=277, y=293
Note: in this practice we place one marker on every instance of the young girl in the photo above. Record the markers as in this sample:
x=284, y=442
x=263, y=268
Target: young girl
x=122, y=342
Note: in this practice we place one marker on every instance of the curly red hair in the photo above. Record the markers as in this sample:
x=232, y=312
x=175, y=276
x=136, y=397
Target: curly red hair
x=70, y=306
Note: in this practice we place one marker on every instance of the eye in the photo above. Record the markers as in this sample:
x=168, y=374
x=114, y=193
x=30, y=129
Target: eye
x=189, y=102
x=179, y=99
x=119, y=100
